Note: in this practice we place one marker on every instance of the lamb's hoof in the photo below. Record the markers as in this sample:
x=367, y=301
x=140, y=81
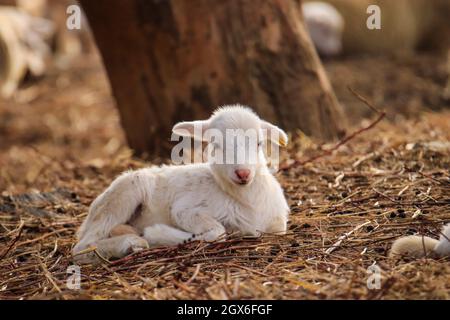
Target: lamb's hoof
x=137, y=244
x=214, y=235
x=86, y=258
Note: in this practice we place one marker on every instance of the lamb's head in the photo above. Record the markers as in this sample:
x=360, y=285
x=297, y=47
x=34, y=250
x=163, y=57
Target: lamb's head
x=236, y=139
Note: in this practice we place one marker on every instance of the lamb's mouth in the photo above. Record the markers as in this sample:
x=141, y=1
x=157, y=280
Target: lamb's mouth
x=241, y=182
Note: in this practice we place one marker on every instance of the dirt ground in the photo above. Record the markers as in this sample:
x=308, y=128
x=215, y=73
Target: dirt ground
x=61, y=144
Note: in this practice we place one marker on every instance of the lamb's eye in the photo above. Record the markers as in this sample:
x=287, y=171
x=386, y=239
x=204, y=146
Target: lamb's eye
x=260, y=143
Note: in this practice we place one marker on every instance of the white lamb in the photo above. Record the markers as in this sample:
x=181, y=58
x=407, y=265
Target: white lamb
x=170, y=205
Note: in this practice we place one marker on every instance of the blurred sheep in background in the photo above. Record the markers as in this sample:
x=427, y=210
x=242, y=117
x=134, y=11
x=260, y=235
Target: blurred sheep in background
x=34, y=36
x=24, y=47
x=325, y=25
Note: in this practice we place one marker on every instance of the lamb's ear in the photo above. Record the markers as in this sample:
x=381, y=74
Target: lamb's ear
x=194, y=129
x=275, y=134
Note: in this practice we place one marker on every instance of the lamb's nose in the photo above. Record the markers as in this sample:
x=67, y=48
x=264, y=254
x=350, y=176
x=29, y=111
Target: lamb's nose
x=242, y=174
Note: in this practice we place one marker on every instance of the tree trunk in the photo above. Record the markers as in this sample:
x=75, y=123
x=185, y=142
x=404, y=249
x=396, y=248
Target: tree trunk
x=178, y=60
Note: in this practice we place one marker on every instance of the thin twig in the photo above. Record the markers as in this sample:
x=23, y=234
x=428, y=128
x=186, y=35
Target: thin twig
x=343, y=237
x=14, y=241
x=381, y=115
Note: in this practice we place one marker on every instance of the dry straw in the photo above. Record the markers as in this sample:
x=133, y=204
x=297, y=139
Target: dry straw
x=347, y=208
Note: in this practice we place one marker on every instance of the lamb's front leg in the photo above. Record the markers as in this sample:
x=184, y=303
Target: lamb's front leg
x=195, y=226
x=200, y=224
